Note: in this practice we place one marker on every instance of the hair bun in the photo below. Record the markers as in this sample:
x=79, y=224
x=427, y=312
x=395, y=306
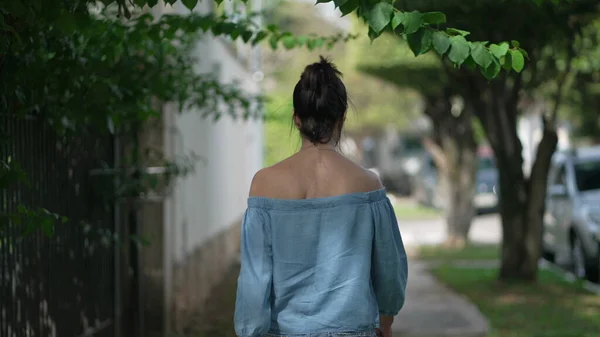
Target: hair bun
x=325, y=63
x=320, y=101
x=319, y=75
x=325, y=66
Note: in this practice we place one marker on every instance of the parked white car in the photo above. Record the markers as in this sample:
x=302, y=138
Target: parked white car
x=429, y=191
x=572, y=218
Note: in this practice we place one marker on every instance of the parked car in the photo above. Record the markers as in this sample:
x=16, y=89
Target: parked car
x=429, y=192
x=572, y=218
x=486, y=192
x=398, y=160
x=426, y=189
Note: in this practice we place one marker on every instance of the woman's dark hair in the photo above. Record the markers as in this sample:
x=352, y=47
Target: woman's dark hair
x=320, y=102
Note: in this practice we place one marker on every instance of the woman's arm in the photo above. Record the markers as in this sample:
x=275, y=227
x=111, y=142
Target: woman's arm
x=389, y=266
x=385, y=324
x=252, y=316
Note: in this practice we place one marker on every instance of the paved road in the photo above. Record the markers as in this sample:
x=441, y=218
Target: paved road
x=485, y=229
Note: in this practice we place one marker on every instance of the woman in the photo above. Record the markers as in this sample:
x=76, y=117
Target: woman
x=321, y=251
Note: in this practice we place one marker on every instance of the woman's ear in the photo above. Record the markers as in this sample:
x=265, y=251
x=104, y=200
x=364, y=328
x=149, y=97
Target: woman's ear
x=297, y=120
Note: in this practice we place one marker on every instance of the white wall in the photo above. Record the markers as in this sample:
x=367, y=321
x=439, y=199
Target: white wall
x=530, y=129
x=213, y=198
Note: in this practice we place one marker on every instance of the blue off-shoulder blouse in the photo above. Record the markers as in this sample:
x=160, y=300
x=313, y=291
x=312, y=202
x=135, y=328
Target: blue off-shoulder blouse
x=321, y=266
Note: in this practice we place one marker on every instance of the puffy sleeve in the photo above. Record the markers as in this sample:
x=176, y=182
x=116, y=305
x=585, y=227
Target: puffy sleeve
x=389, y=267
x=252, y=308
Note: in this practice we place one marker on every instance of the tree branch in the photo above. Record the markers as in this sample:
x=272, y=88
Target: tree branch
x=551, y=122
x=436, y=151
x=516, y=89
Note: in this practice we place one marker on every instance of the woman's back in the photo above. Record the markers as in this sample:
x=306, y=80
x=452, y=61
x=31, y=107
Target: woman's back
x=321, y=249
x=313, y=173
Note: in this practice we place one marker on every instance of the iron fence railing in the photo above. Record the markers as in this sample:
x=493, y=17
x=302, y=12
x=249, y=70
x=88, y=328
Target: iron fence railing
x=63, y=285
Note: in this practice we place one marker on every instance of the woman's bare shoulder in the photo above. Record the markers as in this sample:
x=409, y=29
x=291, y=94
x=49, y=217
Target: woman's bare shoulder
x=270, y=182
x=277, y=181
x=261, y=182
x=368, y=180
x=358, y=179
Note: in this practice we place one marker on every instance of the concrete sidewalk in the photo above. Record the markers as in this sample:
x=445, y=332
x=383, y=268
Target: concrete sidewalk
x=433, y=310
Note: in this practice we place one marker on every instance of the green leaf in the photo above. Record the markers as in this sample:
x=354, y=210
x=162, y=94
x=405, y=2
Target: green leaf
x=235, y=33
x=301, y=40
x=190, y=4
x=454, y=31
x=205, y=23
x=515, y=43
x=420, y=42
x=259, y=37
x=379, y=16
x=227, y=28
x=459, y=49
x=499, y=50
x=319, y=42
x=323, y=1
x=491, y=71
x=373, y=34
x=21, y=209
x=434, y=18
x=348, y=6
x=397, y=20
x=411, y=21
x=441, y=43
x=152, y=3
x=524, y=52
x=247, y=35
x=469, y=63
x=48, y=227
x=217, y=29
x=289, y=42
x=273, y=41
x=517, y=60
x=481, y=55
x=506, y=62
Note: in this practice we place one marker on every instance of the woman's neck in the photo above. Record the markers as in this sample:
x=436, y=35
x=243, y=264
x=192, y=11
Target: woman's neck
x=327, y=146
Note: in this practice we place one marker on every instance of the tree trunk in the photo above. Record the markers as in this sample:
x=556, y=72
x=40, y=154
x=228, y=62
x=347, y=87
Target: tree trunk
x=513, y=205
x=521, y=199
x=522, y=211
x=454, y=152
x=460, y=176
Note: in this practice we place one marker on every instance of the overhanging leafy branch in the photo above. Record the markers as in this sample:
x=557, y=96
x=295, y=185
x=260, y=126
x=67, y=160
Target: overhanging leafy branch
x=423, y=33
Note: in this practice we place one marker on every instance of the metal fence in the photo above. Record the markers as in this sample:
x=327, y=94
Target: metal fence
x=61, y=286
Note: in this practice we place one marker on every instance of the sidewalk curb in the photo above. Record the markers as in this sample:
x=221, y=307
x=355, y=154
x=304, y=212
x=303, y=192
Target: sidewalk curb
x=543, y=264
x=569, y=277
